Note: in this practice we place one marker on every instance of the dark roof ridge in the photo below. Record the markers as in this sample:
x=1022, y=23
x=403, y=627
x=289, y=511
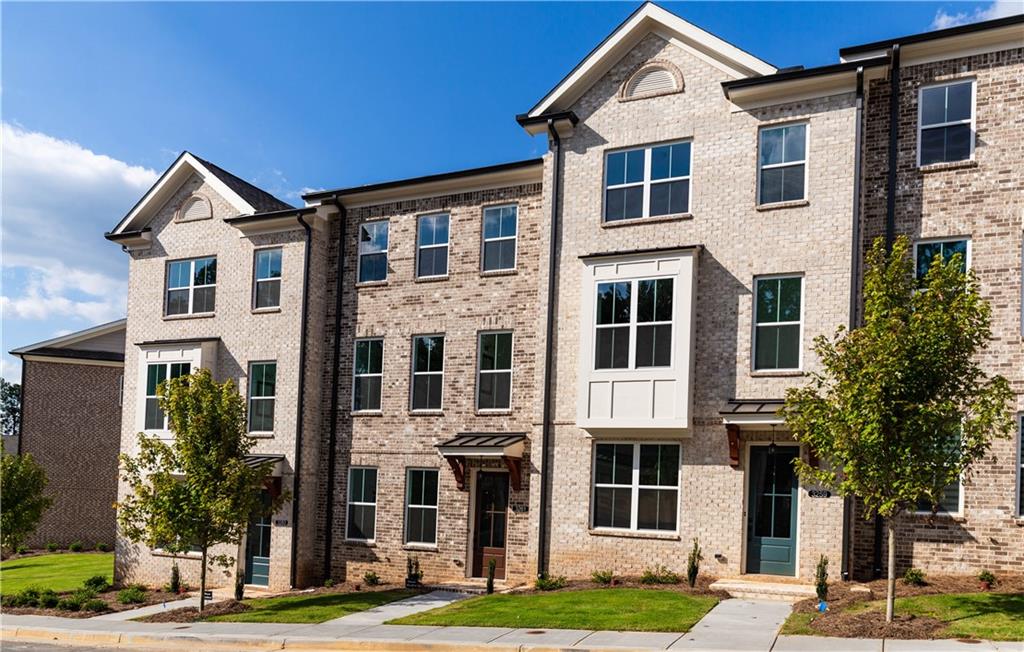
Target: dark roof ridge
x=260, y=199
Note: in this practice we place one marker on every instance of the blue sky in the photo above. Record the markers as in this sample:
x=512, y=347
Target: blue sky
x=97, y=99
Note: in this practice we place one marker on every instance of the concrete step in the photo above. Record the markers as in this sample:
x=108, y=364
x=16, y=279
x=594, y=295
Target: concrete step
x=764, y=590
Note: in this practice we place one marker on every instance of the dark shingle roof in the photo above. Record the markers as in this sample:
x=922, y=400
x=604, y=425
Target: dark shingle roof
x=261, y=200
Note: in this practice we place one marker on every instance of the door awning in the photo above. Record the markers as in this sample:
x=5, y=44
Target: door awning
x=752, y=411
x=506, y=446
x=253, y=461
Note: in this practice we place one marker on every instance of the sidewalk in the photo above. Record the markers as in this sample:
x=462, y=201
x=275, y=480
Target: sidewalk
x=733, y=625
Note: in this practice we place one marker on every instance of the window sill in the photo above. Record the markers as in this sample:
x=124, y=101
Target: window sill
x=360, y=543
x=777, y=373
x=264, y=311
x=431, y=279
x=371, y=284
x=426, y=413
x=646, y=220
x=157, y=552
x=948, y=165
x=195, y=315
x=782, y=204
x=420, y=547
x=261, y=435
x=630, y=534
x=940, y=516
x=494, y=413
x=500, y=272
x=366, y=413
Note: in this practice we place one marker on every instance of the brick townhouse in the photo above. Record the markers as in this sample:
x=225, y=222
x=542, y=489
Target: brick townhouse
x=576, y=362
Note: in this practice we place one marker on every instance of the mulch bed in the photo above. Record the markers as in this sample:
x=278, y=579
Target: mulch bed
x=191, y=614
x=837, y=621
x=702, y=587
x=110, y=597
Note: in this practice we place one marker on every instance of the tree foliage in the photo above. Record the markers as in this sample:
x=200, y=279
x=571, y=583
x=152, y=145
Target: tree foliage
x=10, y=407
x=195, y=491
x=22, y=483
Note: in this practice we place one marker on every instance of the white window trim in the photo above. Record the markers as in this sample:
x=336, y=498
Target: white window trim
x=634, y=298
x=165, y=431
x=408, y=505
x=191, y=287
x=250, y=384
x=805, y=162
x=647, y=182
x=959, y=508
x=921, y=127
x=754, y=324
x=484, y=239
x=256, y=280
x=361, y=253
x=349, y=502
x=357, y=376
x=943, y=240
x=415, y=373
x=420, y=247
x=480, y=371
x=634, y=486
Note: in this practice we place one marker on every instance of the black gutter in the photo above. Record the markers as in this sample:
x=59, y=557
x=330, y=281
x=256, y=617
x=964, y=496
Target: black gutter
x=270, y=215
x=831, y=69
x=335, y=374
x=186, y=340
x=545, y=473
x=125, y=235
x=525, y=120
x=637, y=252
x=894, y=136
x=959, y=30
x=299, y=408
x=73, y=354
x=444, y=176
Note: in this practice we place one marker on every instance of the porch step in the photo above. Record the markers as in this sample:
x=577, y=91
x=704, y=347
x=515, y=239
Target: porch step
x=471, y=589
x=761, y=590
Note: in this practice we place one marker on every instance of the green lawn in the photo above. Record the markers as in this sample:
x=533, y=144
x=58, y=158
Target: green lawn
x=315, y=608
x=60, y=571
x=635, y=610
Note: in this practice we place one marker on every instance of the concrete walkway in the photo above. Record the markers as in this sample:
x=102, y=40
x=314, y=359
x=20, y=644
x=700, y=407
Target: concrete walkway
x=737, y=625
x=399, y=609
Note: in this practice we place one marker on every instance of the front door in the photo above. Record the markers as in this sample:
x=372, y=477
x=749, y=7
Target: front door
x=771, y=510
x=257, y=548
x=491, y=522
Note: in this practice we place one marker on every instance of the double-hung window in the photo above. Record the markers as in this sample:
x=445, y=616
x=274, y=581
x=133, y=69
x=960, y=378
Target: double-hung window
x=927, y=252
x=191, y=286
x=777, y=322
x=368, y=372
x=647, y=182
x=362, y=504
x=500, y=230
x=262, y=390
x=432, y=246
x=427, y=371
x=157, y=373
x=637, y=311
x=949, y=500
x=267, y=278
x=421, y=506
x=636, y=486
x=373, y=251
x=494, y=380
x=782, y=164
x=946, y=122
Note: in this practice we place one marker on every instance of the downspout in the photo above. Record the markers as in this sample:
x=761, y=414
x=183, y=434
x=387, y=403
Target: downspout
x=335, y=374
x=894, y=133
x=301, y=399
x=855, y=247
x=556, y=177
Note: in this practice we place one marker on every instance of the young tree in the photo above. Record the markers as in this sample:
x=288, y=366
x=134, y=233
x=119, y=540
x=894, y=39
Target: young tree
x=10, y=407
x=197, y=490
x=902, y=408
x=22, y=481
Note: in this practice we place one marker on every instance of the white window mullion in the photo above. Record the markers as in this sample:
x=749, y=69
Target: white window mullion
x=647, y=182
x=632, y=324
x=634, y=492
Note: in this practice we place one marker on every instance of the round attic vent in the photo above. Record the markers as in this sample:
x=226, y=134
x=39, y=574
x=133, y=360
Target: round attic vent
x=195, y=207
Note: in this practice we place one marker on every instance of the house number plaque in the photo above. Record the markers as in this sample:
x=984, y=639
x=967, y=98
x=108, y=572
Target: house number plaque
x=819, y=493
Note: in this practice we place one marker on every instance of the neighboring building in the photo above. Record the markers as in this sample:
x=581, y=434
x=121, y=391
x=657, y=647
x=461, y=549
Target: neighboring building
x=576, y=362
x=71, y=425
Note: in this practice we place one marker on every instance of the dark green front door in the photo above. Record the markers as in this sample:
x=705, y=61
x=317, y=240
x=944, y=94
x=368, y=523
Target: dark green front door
x=771, y=510
x=257, y=548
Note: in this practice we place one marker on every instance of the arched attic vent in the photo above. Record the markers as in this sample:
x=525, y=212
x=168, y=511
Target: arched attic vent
x=652, y=79
x=196, y=207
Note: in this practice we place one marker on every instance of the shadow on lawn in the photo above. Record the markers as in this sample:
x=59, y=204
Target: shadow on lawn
x=1007, y=604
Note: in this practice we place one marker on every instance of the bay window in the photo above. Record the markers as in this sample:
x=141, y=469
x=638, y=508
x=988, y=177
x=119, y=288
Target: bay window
x=633, y=326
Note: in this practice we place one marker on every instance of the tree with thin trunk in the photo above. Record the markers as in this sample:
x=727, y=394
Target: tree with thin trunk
x=902, y=408
x=195, y=491
x=22, y=483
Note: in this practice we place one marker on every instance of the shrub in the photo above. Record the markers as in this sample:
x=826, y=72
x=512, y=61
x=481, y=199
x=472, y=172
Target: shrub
x=27, y=597
x=693, y=563
x=68, y=604
x=175, y=585
x=102, y=547
x=21, y=550
x=821, y=578
x=987, y=577
x=48, y=599
x=328, y=583
x=548, y=583
x=602, y=577
x=76, y=546
x=914, y=577
x=97, y=583
x=51, y=547
x=131, y=595
x=658, y=575
x=412, y=569
x=94, y=605
x=371, y=579
x=76, y=600
x=492, y=564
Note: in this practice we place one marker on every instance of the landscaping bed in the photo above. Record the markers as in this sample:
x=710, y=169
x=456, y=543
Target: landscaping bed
x=944, y=607
x=84, y=603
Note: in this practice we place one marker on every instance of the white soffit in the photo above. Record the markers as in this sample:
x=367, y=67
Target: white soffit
x=650, y=18
x=67, y=341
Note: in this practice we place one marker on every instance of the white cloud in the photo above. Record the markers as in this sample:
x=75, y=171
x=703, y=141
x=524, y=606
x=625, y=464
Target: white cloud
x=997, y=9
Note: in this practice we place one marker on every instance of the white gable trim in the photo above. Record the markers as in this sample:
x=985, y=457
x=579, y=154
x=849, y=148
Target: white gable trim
x=65, y=341
x=168, y=184
x=650, y=18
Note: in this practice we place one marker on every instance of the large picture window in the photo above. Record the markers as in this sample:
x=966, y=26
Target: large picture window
x=500, y=230
x=636, y=486
x=782, y=164
x=421, y=506
x=191, y=286
x=362, y=504
x=157, y=373
x=946, y=122
x=432, y=246
x=777, y=322
x=637, y=311
x=373, y=251
x=368, y=373
x=262, y=392
x=494, y=380
x=647, y=182
x=267, y=278
x=427, y=371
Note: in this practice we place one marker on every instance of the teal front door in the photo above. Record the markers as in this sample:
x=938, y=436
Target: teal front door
x=257, y=548
x=771, y=510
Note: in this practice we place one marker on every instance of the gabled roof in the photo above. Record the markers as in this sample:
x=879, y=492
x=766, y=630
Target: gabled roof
x=242, y=195
x=94, y=343
x=649, y=18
